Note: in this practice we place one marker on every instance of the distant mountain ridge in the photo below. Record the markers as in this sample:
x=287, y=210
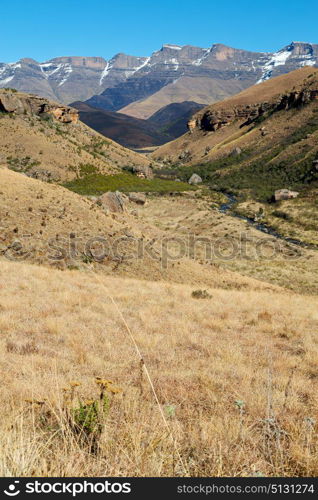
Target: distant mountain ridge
x=167, y=124
x=140, y=86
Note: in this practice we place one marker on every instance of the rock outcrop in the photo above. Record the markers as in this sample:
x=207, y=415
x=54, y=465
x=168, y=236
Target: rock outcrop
x=214, y=118
x=20, y=104
x=143, y=171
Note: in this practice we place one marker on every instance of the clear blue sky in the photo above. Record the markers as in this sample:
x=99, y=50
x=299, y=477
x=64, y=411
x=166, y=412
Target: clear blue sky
x=46, y=29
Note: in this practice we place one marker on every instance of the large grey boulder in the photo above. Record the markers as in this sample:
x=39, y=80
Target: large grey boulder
x=236, y=152
x=285, y=194
x=195, y=179
x=113, y=202
x=138, y=198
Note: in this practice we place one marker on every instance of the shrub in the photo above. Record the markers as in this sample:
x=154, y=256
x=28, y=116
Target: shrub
x=201, y=294
x=96, y=184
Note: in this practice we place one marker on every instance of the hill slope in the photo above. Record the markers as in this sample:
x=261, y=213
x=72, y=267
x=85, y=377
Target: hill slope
x=47, y=224
x=164, y=126
x=259, y=141
x=174, y=117
x=45, y=140
x=126, y=130
x=280, y=113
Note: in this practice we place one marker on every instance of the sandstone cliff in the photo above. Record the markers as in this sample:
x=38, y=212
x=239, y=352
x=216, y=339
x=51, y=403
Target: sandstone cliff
x=214, y=118
x=23, y=104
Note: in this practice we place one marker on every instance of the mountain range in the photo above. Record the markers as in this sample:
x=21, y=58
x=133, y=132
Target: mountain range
x=140, y=86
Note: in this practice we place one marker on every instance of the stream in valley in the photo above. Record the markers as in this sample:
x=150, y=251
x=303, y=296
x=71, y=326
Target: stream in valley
x=226, y=208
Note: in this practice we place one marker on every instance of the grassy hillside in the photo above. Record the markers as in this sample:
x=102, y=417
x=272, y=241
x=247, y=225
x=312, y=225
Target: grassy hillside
x=47, y=224
x=47, y=149
x=256, y=155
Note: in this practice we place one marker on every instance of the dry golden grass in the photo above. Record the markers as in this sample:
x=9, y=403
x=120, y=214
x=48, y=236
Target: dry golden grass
x=236, y=376
x=41, y=217
x=254, y=253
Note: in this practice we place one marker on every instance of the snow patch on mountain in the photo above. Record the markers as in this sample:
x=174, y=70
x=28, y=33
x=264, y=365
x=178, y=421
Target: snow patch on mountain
x=278, y=59
x=105, y=72
x=48, y=69
x=199, y=61
x=172, y=47
x=4, y=81
x=141, y=65
x=7, y=72
x=309, y=60
x=61, y=71
x=176, y=64
x=66, y=71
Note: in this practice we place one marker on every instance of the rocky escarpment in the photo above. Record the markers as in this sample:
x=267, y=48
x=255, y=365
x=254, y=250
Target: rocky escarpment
x=212, y=119
x=25, y=104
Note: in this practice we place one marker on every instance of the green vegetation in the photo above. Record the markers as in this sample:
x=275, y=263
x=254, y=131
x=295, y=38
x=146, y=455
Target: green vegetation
x=83, y=169
x=22, y=164
x=97, y=147
x=260, y=177
x=96, y=184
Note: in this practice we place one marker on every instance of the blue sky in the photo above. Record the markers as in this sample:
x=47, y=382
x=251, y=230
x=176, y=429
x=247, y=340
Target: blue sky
x=46, y=29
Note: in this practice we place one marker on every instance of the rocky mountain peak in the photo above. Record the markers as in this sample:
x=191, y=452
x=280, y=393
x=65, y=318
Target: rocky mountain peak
x=302, y=48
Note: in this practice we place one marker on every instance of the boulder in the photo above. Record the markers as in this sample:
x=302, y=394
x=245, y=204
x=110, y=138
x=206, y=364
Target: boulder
x=144, y=172
x=113, y=202
x=285, y=194
x=195, y=179
x=236, y=152
x=138, y=198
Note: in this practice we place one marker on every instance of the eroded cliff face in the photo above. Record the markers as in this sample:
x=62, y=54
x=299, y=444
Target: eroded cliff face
x=19, y=103
x=212, y=119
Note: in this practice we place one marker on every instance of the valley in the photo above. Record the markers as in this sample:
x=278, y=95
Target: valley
x=150, y=324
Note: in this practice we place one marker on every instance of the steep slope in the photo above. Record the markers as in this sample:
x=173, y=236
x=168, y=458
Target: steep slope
x=164, y=126
x=173, y=118
x=126, y=130
x=235, y=122
x=46, y=141
x=174, y=112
